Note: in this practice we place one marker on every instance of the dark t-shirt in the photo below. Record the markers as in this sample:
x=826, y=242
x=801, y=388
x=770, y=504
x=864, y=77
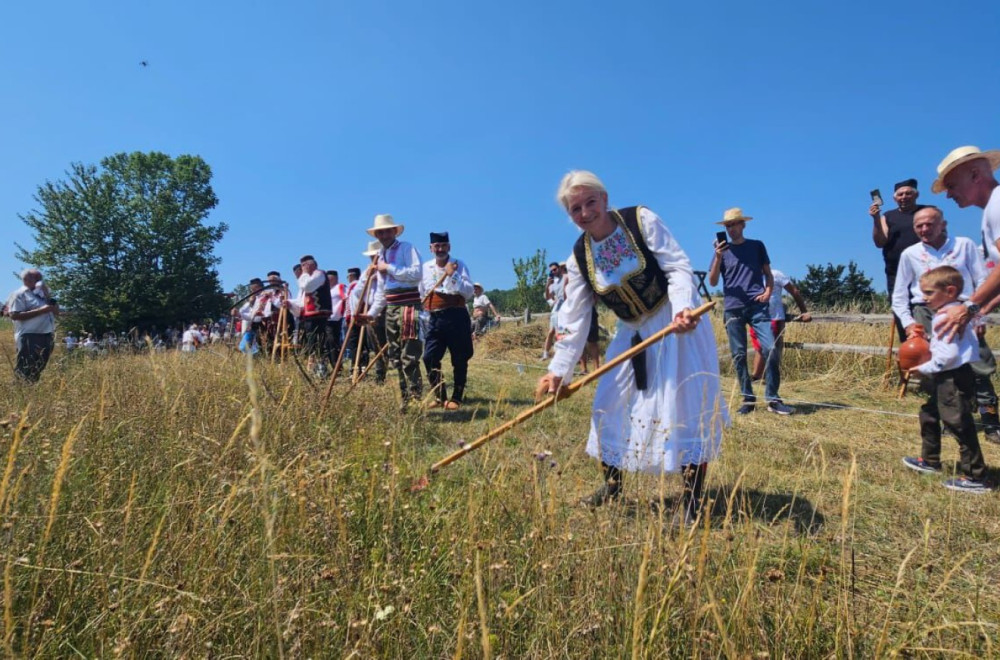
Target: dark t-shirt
x=743, y=273
x=900, y=237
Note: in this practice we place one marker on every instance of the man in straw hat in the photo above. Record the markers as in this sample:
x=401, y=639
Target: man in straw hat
x=446, y=287
x=893, y=233
x=966, y=174
x=481, y=308
x=747, y=285
x=399, y=270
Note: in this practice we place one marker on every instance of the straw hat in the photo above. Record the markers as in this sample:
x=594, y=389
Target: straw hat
x=373, y=248
x=385, y=221
x=732, y=215
x=959, y=156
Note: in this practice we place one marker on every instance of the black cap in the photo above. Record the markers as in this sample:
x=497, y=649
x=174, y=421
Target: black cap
x=441, y=237
x=909, y=183
x=275, y=273
x=256, y=280
x=354, y=271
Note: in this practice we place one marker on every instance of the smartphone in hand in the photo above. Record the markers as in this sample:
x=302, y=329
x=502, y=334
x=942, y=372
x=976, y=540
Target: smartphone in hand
x=877, y=197
x=721, y=238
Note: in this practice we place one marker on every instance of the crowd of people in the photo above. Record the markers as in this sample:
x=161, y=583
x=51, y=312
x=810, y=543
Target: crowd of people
x=401, y=312
x=661, y=410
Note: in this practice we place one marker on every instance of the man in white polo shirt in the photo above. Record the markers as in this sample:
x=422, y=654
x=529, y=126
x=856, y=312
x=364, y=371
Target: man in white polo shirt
x=34, y=315
x=935, y=249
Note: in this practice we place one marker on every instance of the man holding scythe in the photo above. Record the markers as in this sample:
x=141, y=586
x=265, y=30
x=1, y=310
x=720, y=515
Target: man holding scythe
x=445, y=288
x=399, y=270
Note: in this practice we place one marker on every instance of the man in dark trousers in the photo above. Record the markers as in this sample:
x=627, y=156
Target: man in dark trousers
x=446, y=287
x=893, y=232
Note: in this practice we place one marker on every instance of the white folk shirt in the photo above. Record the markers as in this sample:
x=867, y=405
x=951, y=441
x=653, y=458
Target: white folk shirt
x=950, y=354
x=307, y=284
x=26, y=300
x=574, y=312
x=959, y=252
x=338, y=296
x=678, y=418
x=403, y=271
x=776, y=304
x=991, y=229
x=354, y=295
x=257, y=309
x=459, y=283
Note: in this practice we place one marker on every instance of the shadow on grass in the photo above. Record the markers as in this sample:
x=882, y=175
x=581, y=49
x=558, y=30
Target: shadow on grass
x=466, y=413
x=751, y=504
x=478, y=400
x=821, y=406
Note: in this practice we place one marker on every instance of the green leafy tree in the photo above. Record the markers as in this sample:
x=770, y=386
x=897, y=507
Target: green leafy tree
x=126, y=244
x=529, y=289
x=829, y=287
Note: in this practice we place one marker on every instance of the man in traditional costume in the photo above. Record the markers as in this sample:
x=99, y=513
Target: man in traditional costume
x=446, y=287
x=254, y=311
x=313, y=307
x=375, y=331
x=399, y=269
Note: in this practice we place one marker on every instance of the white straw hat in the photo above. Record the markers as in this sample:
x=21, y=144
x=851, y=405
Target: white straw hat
x=373, y=248
x=384, y=221
x=959, y=156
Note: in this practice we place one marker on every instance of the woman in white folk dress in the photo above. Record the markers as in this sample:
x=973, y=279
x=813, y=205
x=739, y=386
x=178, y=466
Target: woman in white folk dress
x=661, y=411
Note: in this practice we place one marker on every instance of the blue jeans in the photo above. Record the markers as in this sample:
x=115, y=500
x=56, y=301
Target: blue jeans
x=758, y=316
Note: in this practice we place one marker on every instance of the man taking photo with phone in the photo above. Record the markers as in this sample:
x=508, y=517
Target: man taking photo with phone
x=747, y=284
x=893, y=232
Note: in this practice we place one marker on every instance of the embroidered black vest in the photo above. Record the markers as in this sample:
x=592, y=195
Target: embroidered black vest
x=319, y=303
x=642, y=291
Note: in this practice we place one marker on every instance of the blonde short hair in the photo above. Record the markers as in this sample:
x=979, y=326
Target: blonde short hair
x=577, y=179
x=941, y=277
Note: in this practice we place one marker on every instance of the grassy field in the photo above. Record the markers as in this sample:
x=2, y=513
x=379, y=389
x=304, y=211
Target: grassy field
x=198, y=506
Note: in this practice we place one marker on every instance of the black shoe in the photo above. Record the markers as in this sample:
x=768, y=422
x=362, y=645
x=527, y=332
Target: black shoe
x=611, y=489
x=602, y=496
x=747, y=408
x=992, y=435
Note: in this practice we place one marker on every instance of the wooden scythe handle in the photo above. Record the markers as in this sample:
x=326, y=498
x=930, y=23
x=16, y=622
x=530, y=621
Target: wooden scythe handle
x=566, y=391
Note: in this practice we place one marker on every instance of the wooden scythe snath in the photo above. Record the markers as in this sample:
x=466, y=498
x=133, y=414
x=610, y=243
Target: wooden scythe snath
x=350, y=326
x=565, y=391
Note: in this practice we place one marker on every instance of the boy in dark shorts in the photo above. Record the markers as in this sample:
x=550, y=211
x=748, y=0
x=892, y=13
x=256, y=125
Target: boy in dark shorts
x=950, y=381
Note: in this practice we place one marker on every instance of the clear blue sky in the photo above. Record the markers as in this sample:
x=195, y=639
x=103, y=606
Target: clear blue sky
x=462, y=116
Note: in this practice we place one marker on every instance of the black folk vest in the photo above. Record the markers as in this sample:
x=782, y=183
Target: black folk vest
x=642, y=291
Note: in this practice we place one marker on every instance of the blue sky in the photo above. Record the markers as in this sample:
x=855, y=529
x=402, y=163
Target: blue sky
x=315, y=116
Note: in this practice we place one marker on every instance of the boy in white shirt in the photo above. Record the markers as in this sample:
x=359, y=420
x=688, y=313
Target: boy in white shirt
x=950, y=381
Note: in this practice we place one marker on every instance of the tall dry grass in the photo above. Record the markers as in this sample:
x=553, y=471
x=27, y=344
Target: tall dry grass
x=181, y=505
